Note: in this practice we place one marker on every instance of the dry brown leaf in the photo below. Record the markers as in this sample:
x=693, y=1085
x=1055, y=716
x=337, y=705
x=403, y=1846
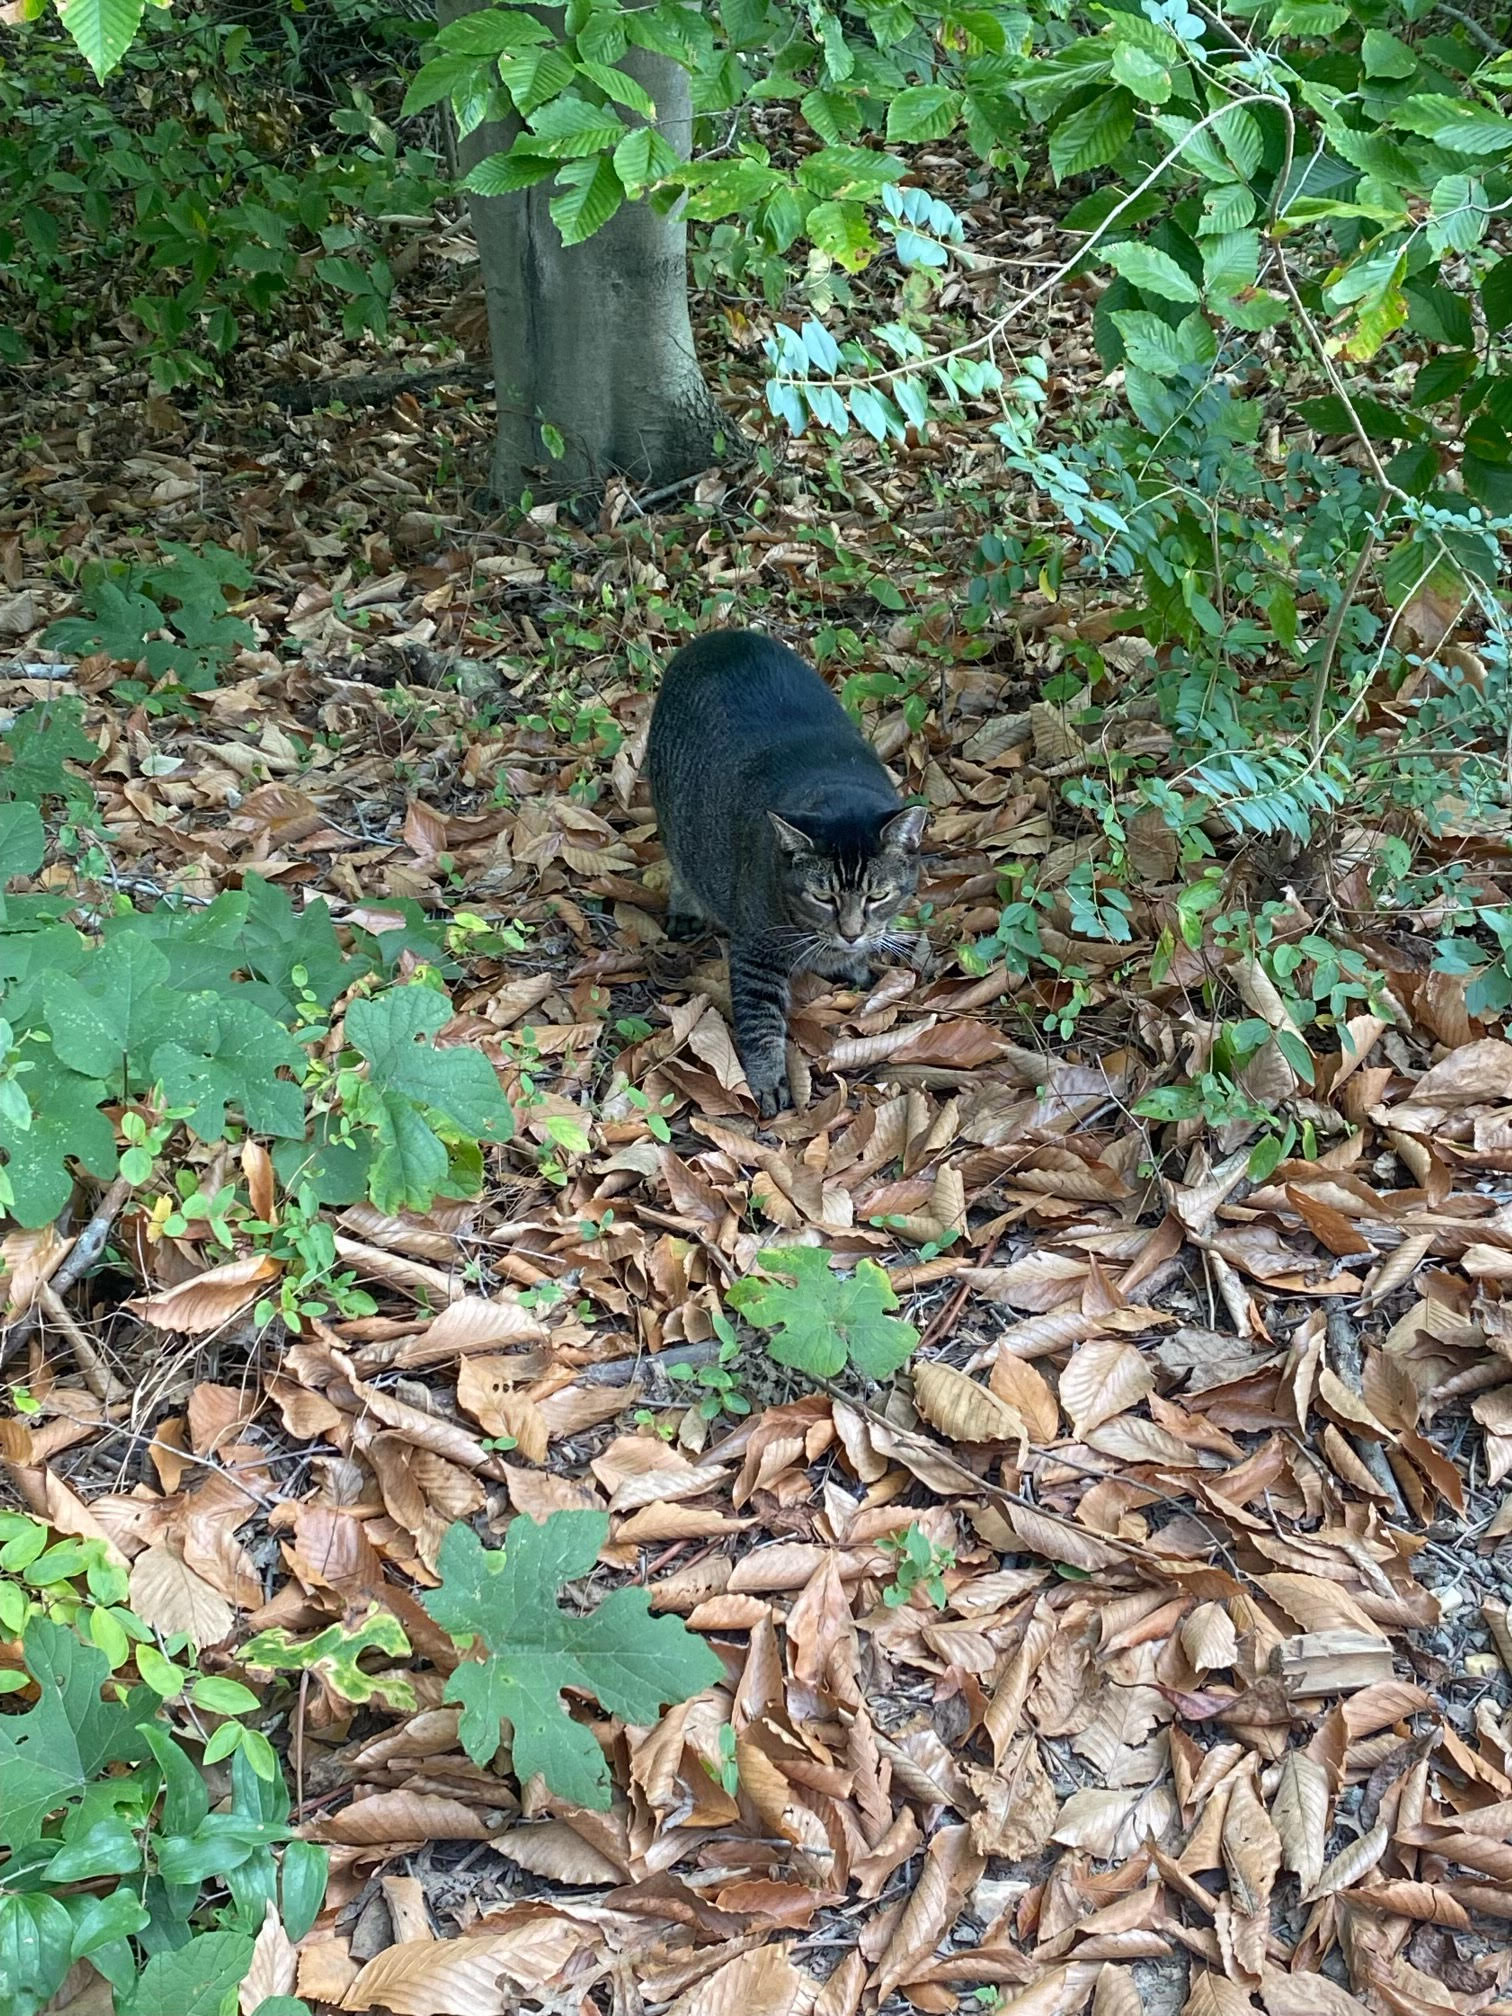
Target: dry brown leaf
x=29, y=1259
x=471, y=1324
x=1208, y=1638
x=1215, y=1995
x=274, y=1967
x=1105, y=1377
x=202, y=1304
x=326, y=1970
x=170, y=1596
x=950, y=1871
x=1300, y=1813
x=1319, y=1606
x=481, y=1975
x=1353, y=1862
x=963, y=1410
x=1039, y=1283
x=1112, y=1822
x=1251, y=1849
x=641, y=1469
x=1306, y=1994
x=762, y=1983
x=387, y=1817
x=1028, y=1393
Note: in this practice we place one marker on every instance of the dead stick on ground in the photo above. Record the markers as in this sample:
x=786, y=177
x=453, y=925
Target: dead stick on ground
x=83, y=1254
x=96, y=1373
x=942, y=1323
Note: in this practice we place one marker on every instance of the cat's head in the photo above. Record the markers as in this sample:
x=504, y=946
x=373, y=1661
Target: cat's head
x=846, y=889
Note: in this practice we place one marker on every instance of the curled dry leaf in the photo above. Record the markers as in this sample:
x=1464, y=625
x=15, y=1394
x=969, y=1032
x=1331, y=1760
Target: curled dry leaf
x=1357, y=1860
x=29, y=1259
x=1105, y=1377
x=963, y=1410
x=1251, y=1849
x=202, y=1304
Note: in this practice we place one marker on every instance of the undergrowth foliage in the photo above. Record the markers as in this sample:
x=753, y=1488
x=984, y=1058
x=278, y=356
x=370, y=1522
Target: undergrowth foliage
x=112, y=1849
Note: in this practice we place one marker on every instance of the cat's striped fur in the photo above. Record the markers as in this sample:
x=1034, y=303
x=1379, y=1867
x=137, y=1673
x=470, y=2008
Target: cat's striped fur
x=782, y=828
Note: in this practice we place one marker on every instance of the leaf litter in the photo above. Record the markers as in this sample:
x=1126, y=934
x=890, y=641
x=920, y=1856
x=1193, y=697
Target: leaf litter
x=1135, y=1638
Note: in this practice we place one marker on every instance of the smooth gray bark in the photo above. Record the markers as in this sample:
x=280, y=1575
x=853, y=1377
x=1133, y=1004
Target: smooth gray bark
x=593, y=338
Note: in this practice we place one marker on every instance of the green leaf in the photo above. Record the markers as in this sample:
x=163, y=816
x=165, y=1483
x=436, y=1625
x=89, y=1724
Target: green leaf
x=1094, y=135
x=228, y=1059
x=457, y=71
x=1140, y=72
x=1459, y=211
x=923, y=112
x=717, y=188
x=1241, y=139
x=23, y=843
x=620, y=86
x=1496, y=296
x=1151, y=271
x=186, y=1800
x=306, y=1870
x=108, y=1848
x=1308, y=17
x=1230, y=261
x=112, y=1008
x=489, y=33
x=1151, y=344
x=219, y=1696
x=102, y=30
x=49, y=1753
x=66, y=1124
x=334, y=1654
x=36, y=1950
x=1442, y=377
x=394, y=1031
x=822, y=1319
x=197, y=1979
x=533, y=77
x=849, y=171
x=1460, y=125
x=1385, y=56
x=632, y=1663
x=501, y=174
x=643, y=157
x=569, y=127
x=591, y=193
x=842, y=231
x=99, y=1921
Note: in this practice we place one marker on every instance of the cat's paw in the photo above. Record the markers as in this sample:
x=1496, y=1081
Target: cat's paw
x=683, y=926
x=770, y=1089
x=858, y=973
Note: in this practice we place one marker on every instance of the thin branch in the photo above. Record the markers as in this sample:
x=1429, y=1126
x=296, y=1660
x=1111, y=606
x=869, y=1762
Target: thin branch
x=83, y=1254
x=1474, y=30
x=1331, y=644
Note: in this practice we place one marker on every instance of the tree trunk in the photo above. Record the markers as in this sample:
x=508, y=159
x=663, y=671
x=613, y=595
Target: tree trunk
x=593, y=339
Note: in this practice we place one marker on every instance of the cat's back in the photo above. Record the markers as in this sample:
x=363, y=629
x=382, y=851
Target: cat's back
x=739, y=691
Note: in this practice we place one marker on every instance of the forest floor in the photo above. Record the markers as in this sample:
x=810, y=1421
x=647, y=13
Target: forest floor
x=1197, y=1688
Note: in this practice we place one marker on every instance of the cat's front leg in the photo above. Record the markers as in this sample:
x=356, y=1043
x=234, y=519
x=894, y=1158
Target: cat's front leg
x=759, y=997
x=686, y=917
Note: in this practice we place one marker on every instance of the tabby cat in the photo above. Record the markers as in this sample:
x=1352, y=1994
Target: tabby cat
x=781, y=827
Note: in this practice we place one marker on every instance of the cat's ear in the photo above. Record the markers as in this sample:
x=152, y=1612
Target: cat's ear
x=905, y=829
x=791, y=840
